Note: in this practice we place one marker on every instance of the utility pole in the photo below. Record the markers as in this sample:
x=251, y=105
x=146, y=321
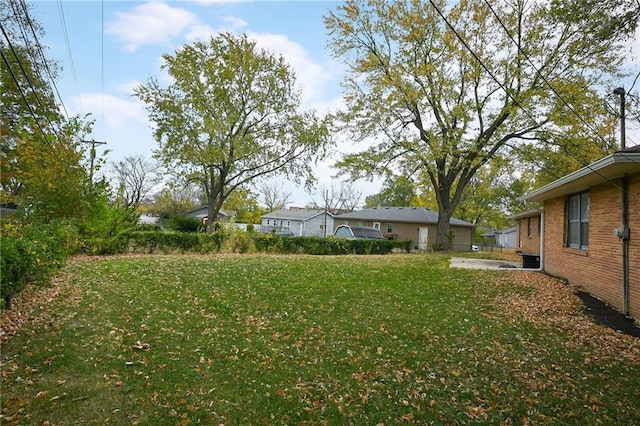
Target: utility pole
x=620, y=91
x=92, y=154
x=326, y=210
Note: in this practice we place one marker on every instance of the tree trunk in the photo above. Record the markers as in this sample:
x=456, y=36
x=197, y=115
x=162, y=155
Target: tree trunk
x=212, y=213
x=213, y=201
x=443, y=232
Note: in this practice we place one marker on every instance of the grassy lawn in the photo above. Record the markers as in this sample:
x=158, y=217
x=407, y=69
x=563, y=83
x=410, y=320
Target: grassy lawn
x=315, y=340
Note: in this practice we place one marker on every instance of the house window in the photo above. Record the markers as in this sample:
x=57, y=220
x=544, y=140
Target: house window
x=267, y=222
x=578, y=221
x=322, y=227
x=389, y=228
x=529, y=227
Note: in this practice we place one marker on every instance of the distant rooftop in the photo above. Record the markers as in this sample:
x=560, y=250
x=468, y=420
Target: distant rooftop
x=296, y=214
x=400, y=214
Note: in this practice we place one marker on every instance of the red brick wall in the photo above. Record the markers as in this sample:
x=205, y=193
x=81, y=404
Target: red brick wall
x=529, y=244
x=599, y=269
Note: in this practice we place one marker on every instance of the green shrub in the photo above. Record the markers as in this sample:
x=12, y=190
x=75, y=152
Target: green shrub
x=15, y=263
x=32, y=254
x=267, y=243
x=184, y=224
x=163, y=242
x=147, y=227
x=211, y=242
x=107, y=232
x=237, y=241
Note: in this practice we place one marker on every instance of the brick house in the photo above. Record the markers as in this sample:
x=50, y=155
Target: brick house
x=528, y=231
x=590, y=225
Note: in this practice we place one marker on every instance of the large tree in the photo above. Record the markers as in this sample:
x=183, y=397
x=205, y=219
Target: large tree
x=397, y=191
x=135, y=178
x=274, y=195
x=244, y=202
x=44, y=166
x=230, y=116
x=342, y=198
x=177, y=198
x=441, y=89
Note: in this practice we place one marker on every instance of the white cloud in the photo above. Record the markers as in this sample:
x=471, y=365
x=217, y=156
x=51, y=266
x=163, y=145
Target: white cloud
x=128, y=87
x=200, y=32
x=158, y=23
x=150, y=23
x=204, y=32
x=233, y=22
x=112, y=110
x=311, y=76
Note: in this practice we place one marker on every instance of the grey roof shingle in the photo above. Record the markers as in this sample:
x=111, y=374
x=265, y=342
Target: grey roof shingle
x=302, y=214
x=400, y=214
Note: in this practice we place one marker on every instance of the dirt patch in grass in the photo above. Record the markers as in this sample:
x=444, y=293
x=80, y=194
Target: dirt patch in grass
x=608, y=316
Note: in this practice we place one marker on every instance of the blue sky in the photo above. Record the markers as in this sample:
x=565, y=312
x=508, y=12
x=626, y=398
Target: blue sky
x=112, y=46
x=117, y=45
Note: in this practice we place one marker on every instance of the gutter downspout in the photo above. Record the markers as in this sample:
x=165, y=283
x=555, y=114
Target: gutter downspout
x=625, y=245
x=541, y=268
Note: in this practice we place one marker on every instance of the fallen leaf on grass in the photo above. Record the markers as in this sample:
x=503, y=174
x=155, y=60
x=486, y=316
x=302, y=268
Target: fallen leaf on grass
x=555, y=303
x=141, y=346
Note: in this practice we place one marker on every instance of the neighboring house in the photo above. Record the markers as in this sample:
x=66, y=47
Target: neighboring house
x=529, y=227
x=418, y=224
x=299, y=222
x=202, y=213
x=591, y=229
x=506, y=238
x=148, y=219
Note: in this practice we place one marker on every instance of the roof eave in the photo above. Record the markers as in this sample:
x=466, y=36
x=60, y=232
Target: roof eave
x=525, y=214
x=606, y=169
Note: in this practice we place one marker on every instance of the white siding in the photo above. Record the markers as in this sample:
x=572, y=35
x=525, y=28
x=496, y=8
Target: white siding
x=295, y=227
x=314, y=226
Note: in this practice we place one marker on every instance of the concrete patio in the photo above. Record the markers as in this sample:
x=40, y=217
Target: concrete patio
x=471, y=263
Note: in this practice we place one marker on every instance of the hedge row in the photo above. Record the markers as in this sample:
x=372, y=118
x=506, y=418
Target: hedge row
x=32, y=254
x=243, y=242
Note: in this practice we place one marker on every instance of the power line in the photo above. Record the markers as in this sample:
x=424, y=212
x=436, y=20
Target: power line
x=102, y=54
x=542, y=76
x=507, y=92
x=41, y=52
x=68, y=46
x=24, y=98
x=28, y=79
